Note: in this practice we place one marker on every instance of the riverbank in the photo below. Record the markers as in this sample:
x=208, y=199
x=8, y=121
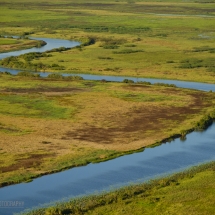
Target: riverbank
x=56, y=124
x=16, y=44
x=148, y=41
x=190, y=191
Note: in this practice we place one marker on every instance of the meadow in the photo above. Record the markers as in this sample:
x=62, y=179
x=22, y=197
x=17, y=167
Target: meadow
x=165, y=39
x=12, y=44
x=50, y=124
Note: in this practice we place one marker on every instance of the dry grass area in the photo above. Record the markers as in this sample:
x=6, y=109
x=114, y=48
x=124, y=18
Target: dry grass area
x=96, y=120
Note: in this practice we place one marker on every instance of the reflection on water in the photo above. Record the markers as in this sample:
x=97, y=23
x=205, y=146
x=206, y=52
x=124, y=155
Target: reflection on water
x=199, y=147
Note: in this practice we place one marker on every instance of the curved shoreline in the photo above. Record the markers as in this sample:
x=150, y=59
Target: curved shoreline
x=73, y=44
x=114, y=196
x=167, y=139
x=117, y=155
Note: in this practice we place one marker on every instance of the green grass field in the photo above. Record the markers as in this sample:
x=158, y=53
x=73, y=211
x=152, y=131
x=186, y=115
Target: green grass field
x=165, y=39
x=7, y=41
x=57, y=123
x=47, y=125
x=12, y=44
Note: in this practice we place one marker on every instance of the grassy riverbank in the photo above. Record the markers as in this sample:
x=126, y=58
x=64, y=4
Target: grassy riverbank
x=48, y=124
x=168, y=39
x=189, y=192
x=12, y=44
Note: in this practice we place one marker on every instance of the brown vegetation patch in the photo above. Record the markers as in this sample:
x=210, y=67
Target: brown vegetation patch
x=33, y=160
x=42, y=90
x=18, y=45
x=138, y=122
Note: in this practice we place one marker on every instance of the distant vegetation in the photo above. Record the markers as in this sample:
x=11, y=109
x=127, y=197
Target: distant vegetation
x=159, y=40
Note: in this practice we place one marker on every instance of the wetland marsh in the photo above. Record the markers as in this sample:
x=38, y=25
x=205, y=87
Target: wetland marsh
x=51, y=124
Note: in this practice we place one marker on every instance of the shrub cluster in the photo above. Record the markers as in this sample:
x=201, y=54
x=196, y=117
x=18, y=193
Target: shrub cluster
x=144, y=82
x=164, y=85
x=59, y=76
x=204, y=123
x=197, y=63
x=128, y=51
x=204, y=49
x=127, y=81
x=28, y=74
x=113, y=29
x=24, y=61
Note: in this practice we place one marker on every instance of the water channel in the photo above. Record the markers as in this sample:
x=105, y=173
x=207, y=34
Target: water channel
x=199, y=147
x=56, y=43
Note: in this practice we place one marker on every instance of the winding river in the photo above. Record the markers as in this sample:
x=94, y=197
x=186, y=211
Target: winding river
x=56, y=43
x=199, y=147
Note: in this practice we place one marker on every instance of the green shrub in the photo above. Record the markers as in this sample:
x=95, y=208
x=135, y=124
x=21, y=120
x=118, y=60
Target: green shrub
x=110, y=47
x=144, y=82
x=28, y=74
x=6, y=73
x=164, y=85
x=127, y=51
x=73, y=77
x=127, y=81
x=55, y=76
x=205, y=122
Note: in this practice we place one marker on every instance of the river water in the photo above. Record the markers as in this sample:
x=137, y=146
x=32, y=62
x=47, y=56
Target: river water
x=199, y=147
x=56, y=43
x=51, y=44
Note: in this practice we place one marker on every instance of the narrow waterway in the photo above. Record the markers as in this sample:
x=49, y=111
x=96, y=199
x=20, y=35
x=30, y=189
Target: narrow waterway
x=51, y=44
x=56, y=43
x=199, y=147
x=181, y=84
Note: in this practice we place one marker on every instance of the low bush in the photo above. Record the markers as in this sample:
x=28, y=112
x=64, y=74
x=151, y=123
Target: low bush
x=127, y=81
x=205, y=122
x=73, y=77
x=144, y=82
x=127, y=51
x=164, y=85
x=28, y=74
x=55, y=76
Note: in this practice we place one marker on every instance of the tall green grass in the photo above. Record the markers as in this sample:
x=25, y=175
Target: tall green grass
x=33, y=106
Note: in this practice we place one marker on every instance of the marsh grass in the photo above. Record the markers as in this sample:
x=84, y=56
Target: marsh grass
x=191, y=190
x=140, y=38
x=12, y=44
x=31, y=106
x=67, y=118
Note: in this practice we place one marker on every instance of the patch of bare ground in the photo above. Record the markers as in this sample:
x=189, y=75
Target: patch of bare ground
x=139, y=127
x=31, y=161
x=43, y=90
x=103, y=121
